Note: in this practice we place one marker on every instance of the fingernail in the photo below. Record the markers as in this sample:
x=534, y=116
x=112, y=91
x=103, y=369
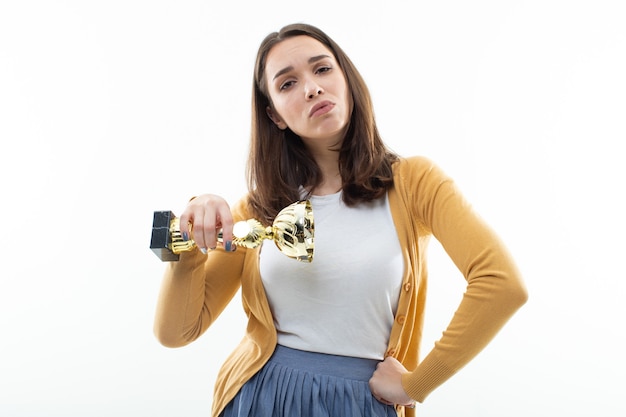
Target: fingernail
x=228, y=245
x=185, y=236
x=203, y=250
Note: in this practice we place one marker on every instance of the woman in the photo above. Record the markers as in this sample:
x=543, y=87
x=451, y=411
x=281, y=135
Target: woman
x=338, y=336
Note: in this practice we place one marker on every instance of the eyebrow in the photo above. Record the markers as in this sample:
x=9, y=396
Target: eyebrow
x=312, y=60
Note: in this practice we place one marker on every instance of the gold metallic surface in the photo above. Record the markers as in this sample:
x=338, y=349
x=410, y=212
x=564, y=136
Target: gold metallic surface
x=292, y=231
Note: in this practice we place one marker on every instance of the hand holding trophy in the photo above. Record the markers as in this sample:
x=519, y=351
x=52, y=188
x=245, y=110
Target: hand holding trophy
x=292, y=231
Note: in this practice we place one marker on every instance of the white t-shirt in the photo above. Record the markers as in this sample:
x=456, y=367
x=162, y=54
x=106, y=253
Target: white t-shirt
x=344, y=302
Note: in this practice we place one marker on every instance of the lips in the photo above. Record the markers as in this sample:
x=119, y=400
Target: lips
x=321, y=108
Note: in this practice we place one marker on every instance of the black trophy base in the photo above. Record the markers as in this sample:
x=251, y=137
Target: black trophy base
x=161, y=239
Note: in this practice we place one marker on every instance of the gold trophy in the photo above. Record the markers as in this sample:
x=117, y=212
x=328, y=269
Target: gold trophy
x=292, y=231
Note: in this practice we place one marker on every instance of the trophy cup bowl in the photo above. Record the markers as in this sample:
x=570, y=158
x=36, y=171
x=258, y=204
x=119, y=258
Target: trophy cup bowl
x=292, y=231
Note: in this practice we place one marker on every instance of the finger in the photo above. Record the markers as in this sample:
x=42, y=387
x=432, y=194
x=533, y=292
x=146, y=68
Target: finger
x=382, y=400
x=185, y=226
x=209, y=226
x=225, y=218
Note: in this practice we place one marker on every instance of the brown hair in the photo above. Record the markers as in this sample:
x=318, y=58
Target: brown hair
x=279, y=163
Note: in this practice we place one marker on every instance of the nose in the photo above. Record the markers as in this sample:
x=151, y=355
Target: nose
x=312, y=91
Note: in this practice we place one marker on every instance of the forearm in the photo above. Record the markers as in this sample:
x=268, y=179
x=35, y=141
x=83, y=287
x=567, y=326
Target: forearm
x=487, y=305
x=194, y=291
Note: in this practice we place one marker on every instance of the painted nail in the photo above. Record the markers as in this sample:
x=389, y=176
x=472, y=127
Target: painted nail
x=203, y=250
x=228, y=245
x=185, y=236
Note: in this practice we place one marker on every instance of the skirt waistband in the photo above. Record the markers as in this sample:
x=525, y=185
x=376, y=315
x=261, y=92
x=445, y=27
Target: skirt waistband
x=359, y=369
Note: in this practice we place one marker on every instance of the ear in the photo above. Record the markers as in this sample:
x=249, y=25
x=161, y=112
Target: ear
x=275, y=118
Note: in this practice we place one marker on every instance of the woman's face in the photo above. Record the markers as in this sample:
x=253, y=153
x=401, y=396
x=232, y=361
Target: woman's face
x=308, y=91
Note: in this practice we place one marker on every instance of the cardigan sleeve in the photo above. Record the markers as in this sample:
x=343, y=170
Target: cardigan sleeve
x=495, y=289
x=195, y=290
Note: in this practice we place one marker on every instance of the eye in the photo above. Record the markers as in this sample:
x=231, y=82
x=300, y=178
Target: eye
x=286, y=85
x=323, y=69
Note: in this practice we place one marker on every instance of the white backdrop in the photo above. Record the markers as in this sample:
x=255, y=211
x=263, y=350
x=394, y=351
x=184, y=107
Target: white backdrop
x=110, y=110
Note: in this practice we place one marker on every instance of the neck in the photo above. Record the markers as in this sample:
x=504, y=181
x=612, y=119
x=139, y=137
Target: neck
x=328, y=162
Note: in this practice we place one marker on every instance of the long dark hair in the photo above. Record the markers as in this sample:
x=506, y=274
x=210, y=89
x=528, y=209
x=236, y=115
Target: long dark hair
x=279, y=163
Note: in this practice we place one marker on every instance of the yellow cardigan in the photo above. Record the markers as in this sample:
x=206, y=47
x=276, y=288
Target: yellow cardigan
x=424, y=202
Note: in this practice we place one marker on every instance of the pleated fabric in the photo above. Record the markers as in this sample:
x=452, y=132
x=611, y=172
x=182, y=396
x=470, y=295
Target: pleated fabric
x=306, y=384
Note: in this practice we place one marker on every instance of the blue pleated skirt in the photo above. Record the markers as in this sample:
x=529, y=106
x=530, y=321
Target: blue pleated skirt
x=295, y=383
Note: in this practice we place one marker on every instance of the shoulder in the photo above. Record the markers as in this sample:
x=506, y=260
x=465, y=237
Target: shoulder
x=415, y=170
